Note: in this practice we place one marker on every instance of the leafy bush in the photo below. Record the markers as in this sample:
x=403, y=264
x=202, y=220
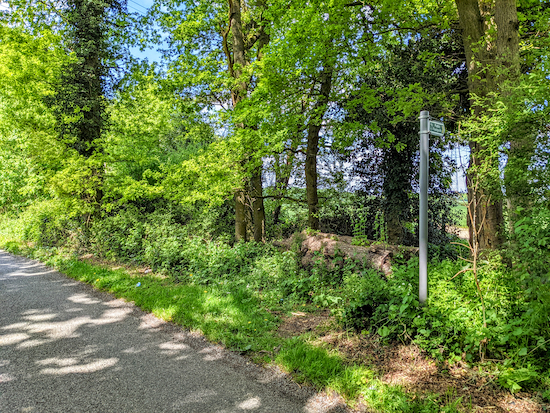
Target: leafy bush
x=517, y=329
x=47, y=223
x=531, y=241
x=151, y=232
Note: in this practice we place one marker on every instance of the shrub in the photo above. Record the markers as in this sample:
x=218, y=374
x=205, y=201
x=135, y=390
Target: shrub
x=451, y=324
x=48, y=223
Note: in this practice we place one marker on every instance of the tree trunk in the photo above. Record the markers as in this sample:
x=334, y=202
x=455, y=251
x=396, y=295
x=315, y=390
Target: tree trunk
x=240, y=217
x=311, y=176
x=394, y=227
x=249, y=216
x=522, y=135
x=314, y=127
x=236, y=62
x=282, y=178
x=258, y=211
x=480, y=61
x=397, y=167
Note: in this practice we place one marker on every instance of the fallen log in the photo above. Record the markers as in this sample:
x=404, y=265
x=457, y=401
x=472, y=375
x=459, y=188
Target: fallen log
x=332, y=250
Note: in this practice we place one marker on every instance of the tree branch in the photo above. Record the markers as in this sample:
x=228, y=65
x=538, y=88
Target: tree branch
x=300, y=201
x=224, y=34
x=251, y=41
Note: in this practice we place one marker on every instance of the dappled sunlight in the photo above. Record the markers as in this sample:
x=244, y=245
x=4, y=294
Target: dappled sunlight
x=212, y=353
x=33, y=311
x=11, y=339
x=83, y=299
x=14, y=326
x=112, y=316
x=115, y=303
x=325, y=403
x=199, y=396
x=40, y=317
x=148, y=322
x=134, y=350
x=71, y=365
x=4, y=378
x=172, y=349
x=250, y=404
x=74, y=310
x=63, y=343
x=33, y=274
x=56, y=330
x=32, y=343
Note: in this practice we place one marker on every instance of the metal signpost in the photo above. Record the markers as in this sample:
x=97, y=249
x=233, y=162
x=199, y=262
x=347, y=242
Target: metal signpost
x=435, y=128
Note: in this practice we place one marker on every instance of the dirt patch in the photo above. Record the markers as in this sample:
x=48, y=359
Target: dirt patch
x=299, y=323
x=408, y=366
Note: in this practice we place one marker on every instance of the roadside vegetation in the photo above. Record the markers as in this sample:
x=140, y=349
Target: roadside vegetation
x=246, y=297
x=222, y=177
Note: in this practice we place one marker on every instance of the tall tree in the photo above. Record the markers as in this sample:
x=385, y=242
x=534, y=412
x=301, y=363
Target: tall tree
x=80, y=102
x=29, y=153
x=388, y=156
x=214, y=46
x=522, y=77
x=237, y=61
x=491, y=34
x=303, y=75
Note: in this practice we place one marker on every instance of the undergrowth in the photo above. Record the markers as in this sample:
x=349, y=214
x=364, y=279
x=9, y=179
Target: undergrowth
x=236, y=295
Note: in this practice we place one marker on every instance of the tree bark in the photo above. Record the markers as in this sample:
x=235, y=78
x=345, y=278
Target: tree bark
x=311, y=176
x=240, y=216
x=476, y=22
x=521, y=135
x=258, y=212
x=282, y=178
x=314, y=127
x=251, y=213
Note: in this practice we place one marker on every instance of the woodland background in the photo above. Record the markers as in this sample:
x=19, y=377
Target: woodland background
x=269, y=118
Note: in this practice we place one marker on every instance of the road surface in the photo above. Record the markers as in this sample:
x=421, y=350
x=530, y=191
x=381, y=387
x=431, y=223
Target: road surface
x=65, y=347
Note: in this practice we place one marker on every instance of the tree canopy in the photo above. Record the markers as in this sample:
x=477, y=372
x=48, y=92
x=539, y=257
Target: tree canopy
x=255, y=100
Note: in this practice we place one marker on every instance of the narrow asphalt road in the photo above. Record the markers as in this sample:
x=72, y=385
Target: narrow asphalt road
x=65, y=347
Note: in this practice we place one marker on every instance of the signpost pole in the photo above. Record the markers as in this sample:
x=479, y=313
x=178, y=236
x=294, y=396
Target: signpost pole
x=423, y=218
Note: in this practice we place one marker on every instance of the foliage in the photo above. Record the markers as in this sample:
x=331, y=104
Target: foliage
x=152, y=144
x=450, y=326
x=233, y=313
x=531, y=243
x=79, y=102
x=29, y=66
x=161, y=154
x=386, y=162
x=47, y=223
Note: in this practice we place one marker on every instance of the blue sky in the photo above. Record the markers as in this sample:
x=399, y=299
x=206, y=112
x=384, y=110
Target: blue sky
x=141, y=7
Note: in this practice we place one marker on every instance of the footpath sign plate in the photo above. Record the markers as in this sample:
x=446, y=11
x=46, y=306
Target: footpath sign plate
x=437, y=128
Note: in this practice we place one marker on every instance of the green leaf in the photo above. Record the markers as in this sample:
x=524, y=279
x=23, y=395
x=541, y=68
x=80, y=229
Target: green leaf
x=384, y=331
x=518, y=331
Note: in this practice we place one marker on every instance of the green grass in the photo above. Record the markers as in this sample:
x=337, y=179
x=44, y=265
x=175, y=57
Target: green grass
x=237, y=320
x=460, y=209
